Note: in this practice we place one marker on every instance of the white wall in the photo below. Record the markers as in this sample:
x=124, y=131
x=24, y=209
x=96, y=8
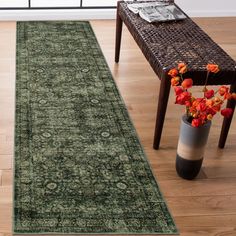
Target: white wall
x=191, y=7
x=208, y=7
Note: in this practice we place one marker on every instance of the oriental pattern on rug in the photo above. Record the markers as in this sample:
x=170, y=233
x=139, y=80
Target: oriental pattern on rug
x=79, y=166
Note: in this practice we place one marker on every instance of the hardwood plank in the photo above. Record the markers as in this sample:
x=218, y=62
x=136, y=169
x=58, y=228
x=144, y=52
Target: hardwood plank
x=6, y=146
x=202, y=205
x=5, y=161
x=220, y=169
x=213, y=169
x=7, y=178
x=212, y=187
x=5, y=217
x=5, y=234
x=206, y=220
x=5, y=194
x=208, y=231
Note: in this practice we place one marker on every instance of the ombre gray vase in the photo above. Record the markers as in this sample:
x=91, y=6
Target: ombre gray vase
x=191, y=147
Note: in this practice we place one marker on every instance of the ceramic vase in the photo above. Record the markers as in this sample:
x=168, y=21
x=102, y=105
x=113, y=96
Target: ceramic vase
x=191, y=147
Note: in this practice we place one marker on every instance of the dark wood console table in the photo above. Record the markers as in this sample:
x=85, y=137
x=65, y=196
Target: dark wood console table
x=166, y=44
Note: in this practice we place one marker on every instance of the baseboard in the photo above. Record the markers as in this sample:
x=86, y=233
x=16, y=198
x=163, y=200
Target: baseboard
x=77, y=14
x=86, y=14
x=212, y=13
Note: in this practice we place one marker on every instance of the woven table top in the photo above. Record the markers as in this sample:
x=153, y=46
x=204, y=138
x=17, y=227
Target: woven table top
x=165, y=44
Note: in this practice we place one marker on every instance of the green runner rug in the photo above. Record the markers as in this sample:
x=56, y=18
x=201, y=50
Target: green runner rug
x=79, y=166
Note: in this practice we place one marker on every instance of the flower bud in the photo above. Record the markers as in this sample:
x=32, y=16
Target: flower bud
x=209, y=116
x=212, y=68
x=233, y=96
x=182, y=67
x=227, y=112
x=196, y=122
x=178, y=90
x=209, y=94
x=187, y=83
x=173, y=72
x=223, y=90
x=175, y=81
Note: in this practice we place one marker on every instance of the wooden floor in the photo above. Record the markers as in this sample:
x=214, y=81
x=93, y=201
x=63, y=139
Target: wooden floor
x=203, y=207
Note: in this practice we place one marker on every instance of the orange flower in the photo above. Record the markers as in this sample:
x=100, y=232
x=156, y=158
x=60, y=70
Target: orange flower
x=201, y=106
x=210, y=103
x=218, y=100
x=187, y=83
x=178, y=90
x=211, y=111
x=201, y=109
x=192, y=111
x=209, y=117
x=227, y=96
x=209, y=94
x=173, y=72
x=227, y=112
x=182, y=98
x=182, y=67
x=196, y=122
x=233, y=96
x=196, y=102
x=212, y=68
x=203, y=117
x=175, y=81
x=194, y=114
x=188, y=103
x=217, y=107
x=223, y=90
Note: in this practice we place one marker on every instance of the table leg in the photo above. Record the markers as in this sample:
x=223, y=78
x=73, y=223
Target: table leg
x=227, y=121
x=161, y=110
x=119, y=24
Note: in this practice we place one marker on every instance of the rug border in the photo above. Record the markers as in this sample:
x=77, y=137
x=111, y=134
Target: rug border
x=100, y=234
x=138, y=139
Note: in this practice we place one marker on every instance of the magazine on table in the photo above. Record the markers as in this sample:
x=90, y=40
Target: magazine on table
x=159, y=1
x=156, y=11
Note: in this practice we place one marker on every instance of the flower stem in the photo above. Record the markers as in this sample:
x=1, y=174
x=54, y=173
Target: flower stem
x=206, y=80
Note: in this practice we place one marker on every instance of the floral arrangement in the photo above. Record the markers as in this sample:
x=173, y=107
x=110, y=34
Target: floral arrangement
x=199, y=110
